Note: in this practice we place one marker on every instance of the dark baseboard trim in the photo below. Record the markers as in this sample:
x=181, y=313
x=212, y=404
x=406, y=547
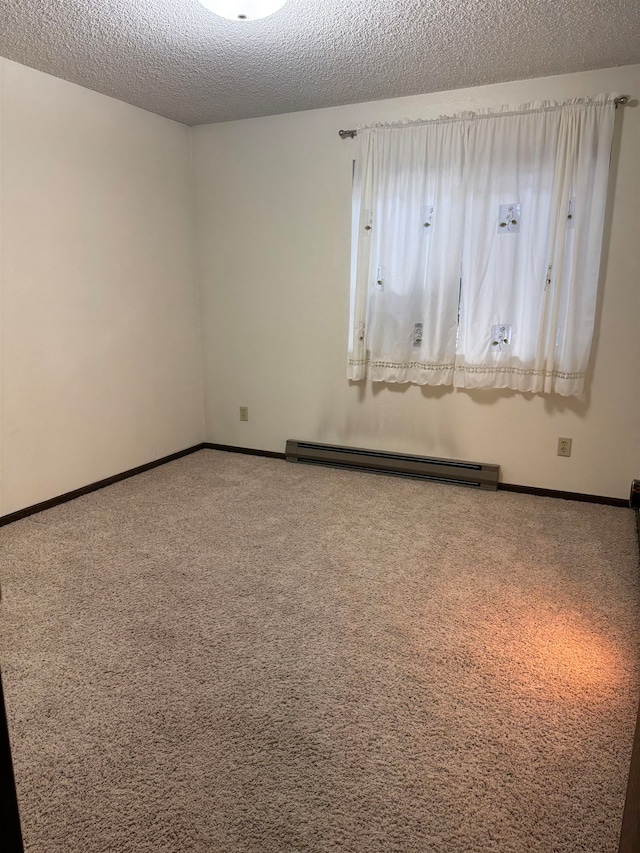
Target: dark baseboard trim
x=567, y=496
x=271, y=454
x=249, y=451
x=9, y=815
x=93, y=487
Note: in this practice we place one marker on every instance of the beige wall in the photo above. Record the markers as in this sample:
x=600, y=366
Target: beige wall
x=274, y=216
x=100, y=354
x=100, y=359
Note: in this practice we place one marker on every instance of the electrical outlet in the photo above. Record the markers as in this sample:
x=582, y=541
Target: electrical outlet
x=244, y=413
x=564, y=447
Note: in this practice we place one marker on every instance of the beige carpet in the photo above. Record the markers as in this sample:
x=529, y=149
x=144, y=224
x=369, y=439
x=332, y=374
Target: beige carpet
x=239, y=655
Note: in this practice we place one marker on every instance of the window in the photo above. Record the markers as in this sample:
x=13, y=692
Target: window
x=476, y=245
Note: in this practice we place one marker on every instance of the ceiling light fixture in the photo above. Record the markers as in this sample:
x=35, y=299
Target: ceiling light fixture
x=243, y=10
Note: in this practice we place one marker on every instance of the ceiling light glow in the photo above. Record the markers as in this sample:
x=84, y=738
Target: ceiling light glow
x=243, y=10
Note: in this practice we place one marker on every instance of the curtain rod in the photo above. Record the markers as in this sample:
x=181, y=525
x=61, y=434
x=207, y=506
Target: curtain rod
x=351, y=134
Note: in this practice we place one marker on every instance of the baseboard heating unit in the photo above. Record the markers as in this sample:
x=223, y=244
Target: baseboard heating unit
x=475, y=474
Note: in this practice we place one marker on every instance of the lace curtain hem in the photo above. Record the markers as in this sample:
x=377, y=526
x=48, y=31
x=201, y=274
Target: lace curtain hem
x=466, y=376
x=415, y=372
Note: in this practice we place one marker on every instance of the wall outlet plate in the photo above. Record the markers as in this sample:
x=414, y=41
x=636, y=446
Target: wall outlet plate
x=244, y=413
x=564, y=447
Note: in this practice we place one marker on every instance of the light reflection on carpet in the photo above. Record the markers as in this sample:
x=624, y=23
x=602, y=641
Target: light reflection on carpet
x=554, y=654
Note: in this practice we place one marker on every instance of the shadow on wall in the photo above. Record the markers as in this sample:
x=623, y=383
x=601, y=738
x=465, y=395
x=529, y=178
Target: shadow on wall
x=376, y=417
x=373, y=421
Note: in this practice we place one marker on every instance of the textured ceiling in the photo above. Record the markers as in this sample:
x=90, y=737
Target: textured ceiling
x=175, y=58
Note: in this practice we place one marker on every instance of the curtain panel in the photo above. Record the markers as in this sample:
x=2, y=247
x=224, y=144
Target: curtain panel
x=476, y=247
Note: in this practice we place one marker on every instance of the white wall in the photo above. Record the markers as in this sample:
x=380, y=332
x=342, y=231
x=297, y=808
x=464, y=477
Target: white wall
x=274, y=217
x=100, y=355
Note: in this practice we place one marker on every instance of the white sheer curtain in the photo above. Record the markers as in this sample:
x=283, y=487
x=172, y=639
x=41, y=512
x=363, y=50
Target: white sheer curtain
x=407, y=234
x=496, y=287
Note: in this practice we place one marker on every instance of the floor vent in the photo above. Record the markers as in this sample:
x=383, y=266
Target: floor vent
x=475, y=474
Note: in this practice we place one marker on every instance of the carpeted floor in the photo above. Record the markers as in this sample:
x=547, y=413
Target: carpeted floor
x=232, y=654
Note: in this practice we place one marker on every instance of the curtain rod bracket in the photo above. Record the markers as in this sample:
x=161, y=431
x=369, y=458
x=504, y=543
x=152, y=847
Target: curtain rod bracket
x=621, y=101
